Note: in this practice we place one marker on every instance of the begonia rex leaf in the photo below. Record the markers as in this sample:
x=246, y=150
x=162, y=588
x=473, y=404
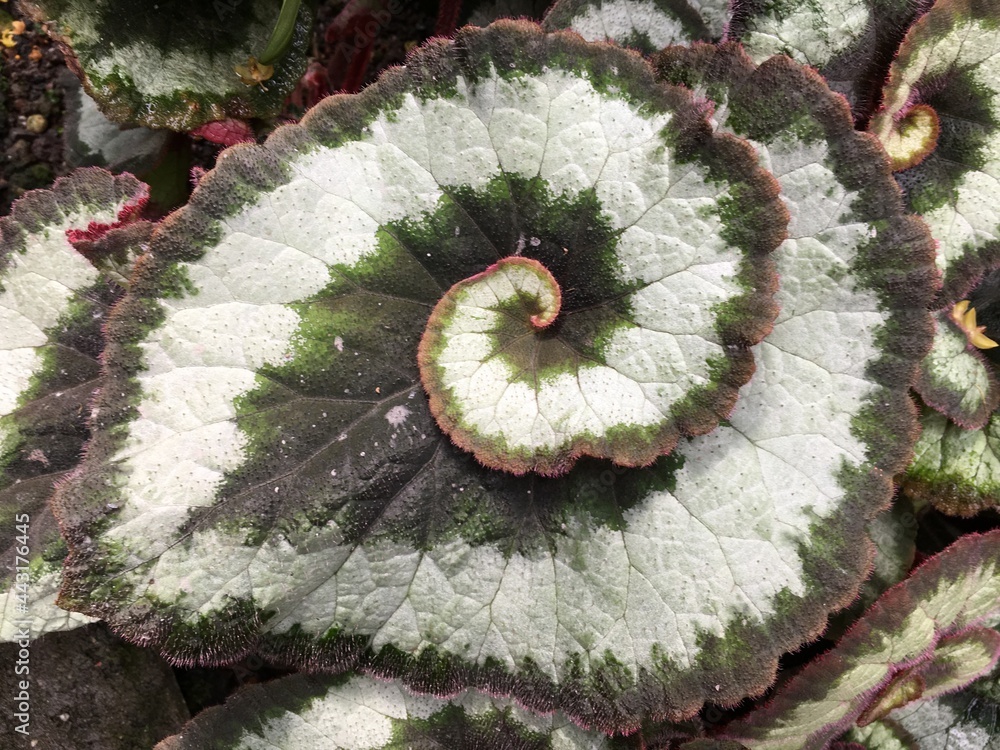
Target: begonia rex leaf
x=282, y=484
x=941, y=100
x=53, y=304
x=725, y=76
x=645, y=25
x=956, y=378
x=321, y=713
x=939, y=118
x=924, y=637
x=893, y=532
x=845, y=40
x=173, y=64
x=950, y=61
x=955, y=469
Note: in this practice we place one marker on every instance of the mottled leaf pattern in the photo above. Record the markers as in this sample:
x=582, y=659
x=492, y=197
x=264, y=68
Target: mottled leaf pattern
x=645, y=25
x=957, y=379
x=282, y=485
x=173, y=64
x=841, y=38
x=939, y=122
x=544, y=392
x=955, y=469
x=950, y=61
x=923, y=637
x=315, y=713
x=53, y=303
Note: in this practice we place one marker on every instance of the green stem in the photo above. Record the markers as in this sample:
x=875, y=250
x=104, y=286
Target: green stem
x=281, y=37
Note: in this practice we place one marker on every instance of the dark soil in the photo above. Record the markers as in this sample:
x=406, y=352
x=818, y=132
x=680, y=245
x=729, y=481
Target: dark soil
x=87, y=690
x=32, y=149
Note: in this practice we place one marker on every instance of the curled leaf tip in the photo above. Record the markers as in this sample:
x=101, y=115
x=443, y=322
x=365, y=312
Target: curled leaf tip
x=549, y=296
x=292, y=293
x=522, y=293
x=965, y=318
x=905, y=687
x=911, y=138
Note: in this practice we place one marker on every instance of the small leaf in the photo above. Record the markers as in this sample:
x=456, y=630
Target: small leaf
x=491, y=334
x=881, y=735
x=904, y=687
x=964, y=720
x=910, y=140
x=956, y=470
x=226, y=132
x=956, y=379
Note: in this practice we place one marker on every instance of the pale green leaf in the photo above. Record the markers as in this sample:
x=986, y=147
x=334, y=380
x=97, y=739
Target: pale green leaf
x=882, y=735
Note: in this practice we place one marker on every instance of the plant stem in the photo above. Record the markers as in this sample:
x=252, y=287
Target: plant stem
x=447, y=18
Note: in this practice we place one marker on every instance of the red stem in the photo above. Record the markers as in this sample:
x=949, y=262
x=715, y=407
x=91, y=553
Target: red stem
x=355, y=75
x=447, y=18
x=353, y=41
